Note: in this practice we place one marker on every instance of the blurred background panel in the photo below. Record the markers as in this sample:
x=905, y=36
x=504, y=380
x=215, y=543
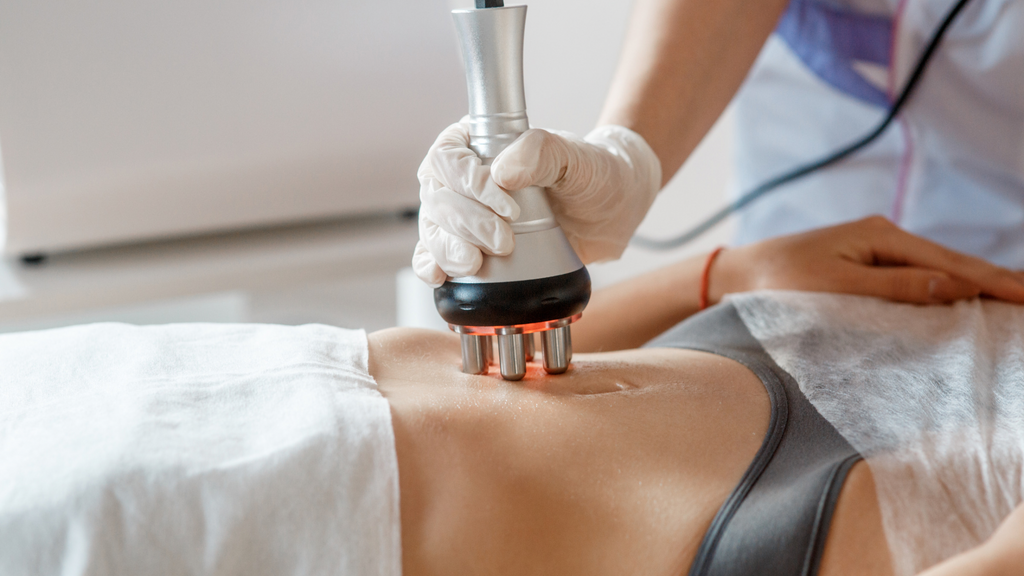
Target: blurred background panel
x=124, y=120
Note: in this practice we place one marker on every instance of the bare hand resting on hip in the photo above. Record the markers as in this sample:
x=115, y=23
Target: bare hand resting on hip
x=869, y=257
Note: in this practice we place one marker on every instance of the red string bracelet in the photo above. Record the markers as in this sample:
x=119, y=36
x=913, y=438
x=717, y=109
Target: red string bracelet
x=705, y=277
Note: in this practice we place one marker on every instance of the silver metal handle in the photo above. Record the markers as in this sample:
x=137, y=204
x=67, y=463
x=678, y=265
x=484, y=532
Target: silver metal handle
x=491, y=40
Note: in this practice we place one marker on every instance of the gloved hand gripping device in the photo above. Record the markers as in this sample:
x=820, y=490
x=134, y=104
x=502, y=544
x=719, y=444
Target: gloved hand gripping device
x=542, y=287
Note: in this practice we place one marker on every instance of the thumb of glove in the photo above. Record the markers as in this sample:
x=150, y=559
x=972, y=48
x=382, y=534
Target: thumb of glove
x=536, y=158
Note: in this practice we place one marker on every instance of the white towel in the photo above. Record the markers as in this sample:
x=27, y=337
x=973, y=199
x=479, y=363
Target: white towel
x=933, y=396
x=195, y=449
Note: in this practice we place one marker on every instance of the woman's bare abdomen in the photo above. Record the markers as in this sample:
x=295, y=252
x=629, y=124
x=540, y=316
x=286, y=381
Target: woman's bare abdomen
x=616, y=467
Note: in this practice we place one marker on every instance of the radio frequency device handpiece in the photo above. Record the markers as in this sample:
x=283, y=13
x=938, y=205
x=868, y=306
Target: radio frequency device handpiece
x=542, y=286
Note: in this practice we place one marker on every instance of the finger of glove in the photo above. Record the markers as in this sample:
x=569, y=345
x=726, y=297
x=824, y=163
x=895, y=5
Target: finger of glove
x=536, y=158
x=469, y=220
x=426, y=268
x=455, y=256
x=459, y=169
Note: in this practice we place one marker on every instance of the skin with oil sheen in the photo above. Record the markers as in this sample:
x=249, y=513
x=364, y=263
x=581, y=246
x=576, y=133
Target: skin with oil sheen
x=617, y=466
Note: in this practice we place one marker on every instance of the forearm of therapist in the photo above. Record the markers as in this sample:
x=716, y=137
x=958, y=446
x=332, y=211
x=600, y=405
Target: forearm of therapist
x=681, y=64
x=632, y=312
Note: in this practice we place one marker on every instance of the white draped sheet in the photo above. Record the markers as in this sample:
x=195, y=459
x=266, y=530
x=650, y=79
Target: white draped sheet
x=195, y=449
x=932, y=396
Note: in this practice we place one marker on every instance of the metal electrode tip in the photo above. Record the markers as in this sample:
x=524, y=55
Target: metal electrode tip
x=476, y=354
x=557, y=345
x=516, y=348
x=511, y=353
x=530, y=347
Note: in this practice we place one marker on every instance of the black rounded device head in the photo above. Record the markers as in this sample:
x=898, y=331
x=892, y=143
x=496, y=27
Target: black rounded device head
x=513, y=303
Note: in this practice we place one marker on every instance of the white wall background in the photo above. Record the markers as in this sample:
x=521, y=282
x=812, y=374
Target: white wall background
x=130, y=120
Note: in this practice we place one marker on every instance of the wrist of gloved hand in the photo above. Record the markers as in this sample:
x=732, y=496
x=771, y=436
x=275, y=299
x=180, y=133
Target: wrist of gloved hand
x=599, y=187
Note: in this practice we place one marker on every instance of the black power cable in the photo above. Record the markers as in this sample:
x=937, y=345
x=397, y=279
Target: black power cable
x=801, y=171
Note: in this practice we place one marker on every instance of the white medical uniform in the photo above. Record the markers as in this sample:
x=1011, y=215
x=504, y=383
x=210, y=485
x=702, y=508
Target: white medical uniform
x=951, y=168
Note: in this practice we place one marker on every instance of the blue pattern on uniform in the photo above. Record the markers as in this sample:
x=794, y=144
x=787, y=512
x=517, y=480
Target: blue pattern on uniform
x=828, y=40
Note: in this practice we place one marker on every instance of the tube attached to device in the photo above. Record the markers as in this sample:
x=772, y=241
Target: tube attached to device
x=542, y=286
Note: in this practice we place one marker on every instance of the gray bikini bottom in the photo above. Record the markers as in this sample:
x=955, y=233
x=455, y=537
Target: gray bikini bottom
x=776, y=520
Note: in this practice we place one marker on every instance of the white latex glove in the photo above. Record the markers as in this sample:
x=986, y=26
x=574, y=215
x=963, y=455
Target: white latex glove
x=599, y=187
